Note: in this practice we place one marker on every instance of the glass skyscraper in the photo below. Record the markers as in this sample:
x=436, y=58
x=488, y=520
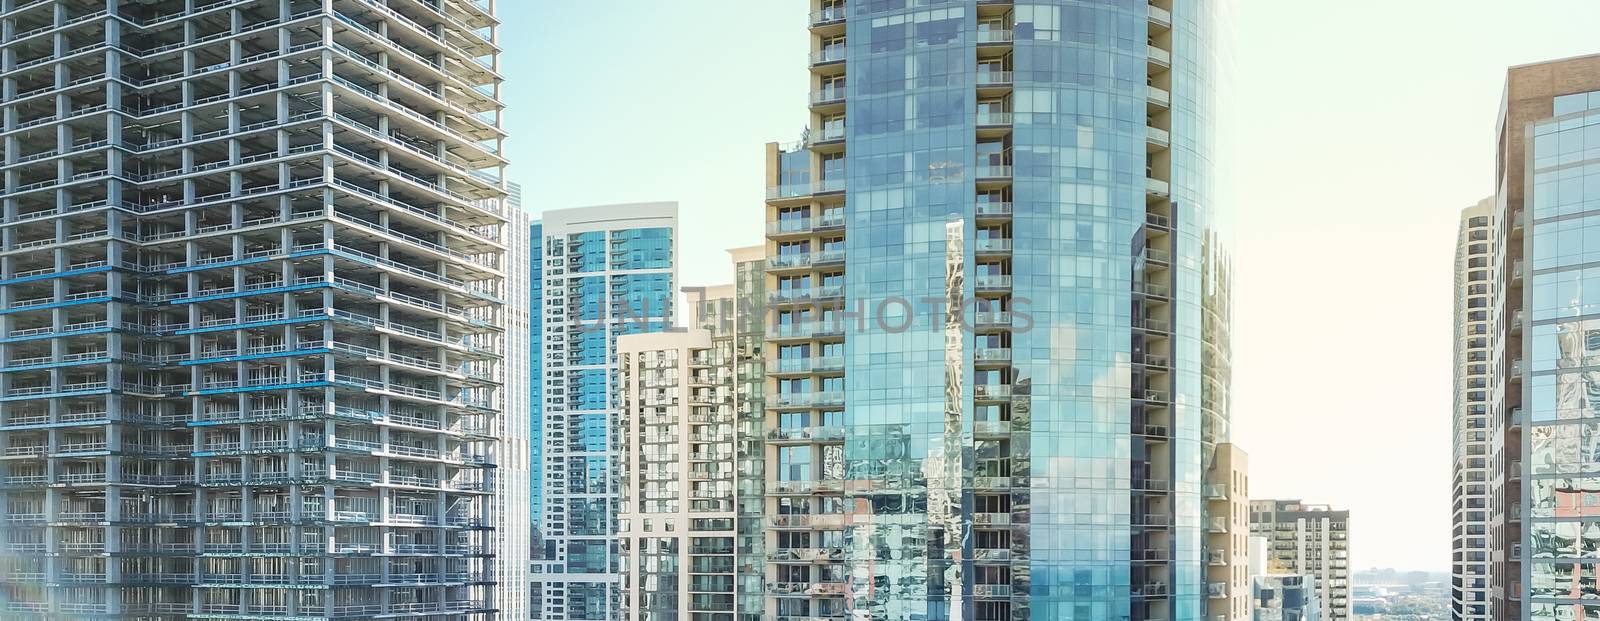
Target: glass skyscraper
x=606, y=271
x=997, y=316
x=1554, y=356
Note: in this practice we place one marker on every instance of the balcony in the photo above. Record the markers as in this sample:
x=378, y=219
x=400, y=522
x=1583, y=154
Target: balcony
x=804, y=190
x=806, y=330
x=993, y=172
x=1157, y=138
x=1152, y=485
x=993, y=210
x=1160, y=17
x=806, y=295
x=827, y=134
x=1157, y=187
x=828, y=56
x=827, y=16
x=1150, y=361
x=993, y=78
x=804, y=400
x=1216, y=590
x=1151, y=291
x=1160, y=57
x=1158, y=97
x=996, y=36
x=992, y=282
x=992, y=319
x=992, y=246
x=805, y=434
x=991, y=428
x=1154, y=432
x=993, y=119
x=992, y=354
x=804, y=260
x=803, y=366
x=1215, y=491
x=991, y=519
x=991, y=392
x=828, y=96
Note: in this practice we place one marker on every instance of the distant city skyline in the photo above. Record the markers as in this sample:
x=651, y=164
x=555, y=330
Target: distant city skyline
x=1320, y=147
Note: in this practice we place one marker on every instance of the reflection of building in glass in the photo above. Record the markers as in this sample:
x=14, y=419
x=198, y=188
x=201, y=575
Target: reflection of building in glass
x=1285, y=597
x=1544, y=423
x=1312, y=540
x=997, y=286
x=607, y=271
x=1474, y=295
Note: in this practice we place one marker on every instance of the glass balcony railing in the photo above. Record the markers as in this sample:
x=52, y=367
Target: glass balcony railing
x=994, y=77
x=994, y=118
x=994, y=209
x=1158, y=96
x=1160, y=56
x=993, y=245
x=827, y=15
x=828, y=55
x=996, y=35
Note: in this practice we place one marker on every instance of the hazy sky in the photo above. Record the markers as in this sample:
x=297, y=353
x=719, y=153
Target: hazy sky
x=1354, y=133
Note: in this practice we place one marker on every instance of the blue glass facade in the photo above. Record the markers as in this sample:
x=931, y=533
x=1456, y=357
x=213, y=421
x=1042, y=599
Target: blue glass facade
x=536, y=381
x=1563, y=344
x=1032, y=318
x=607, y=271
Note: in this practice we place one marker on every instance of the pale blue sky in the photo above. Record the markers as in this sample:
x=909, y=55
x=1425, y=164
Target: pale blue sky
x=1354, y=133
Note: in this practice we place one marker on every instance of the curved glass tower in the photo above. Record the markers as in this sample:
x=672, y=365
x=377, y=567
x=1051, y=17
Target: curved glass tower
x=998, y=312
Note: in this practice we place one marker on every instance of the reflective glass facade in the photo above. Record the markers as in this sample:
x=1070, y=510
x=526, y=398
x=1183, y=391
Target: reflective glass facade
x=606, y=271
x=1563, y=450
x=1543, y=313
x=998, y=350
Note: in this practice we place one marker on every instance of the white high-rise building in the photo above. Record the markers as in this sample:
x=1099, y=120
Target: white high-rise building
x=606, y=271
x=252, y=290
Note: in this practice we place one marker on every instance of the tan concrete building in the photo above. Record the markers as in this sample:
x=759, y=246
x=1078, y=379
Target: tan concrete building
x=1474, y=293
x=1227, y=491
x=675, y=520
x=1308, y=539
x=689, y=520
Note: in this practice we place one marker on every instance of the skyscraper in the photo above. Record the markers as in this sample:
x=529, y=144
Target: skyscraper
x=684, y=394
x=252, y=275
x=1312, y=540
x=997, y=304
x=1542, y=405
x=1474, y=296
x=607, y=271
x=514, y=461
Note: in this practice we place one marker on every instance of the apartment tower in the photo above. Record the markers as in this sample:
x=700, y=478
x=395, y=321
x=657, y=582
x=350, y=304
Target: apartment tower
x=1312, y=540
x=607, y=271
x=252, y=278
x=680, y=488
x=1542, y=402
x=1474, y=299
x=997, y=364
